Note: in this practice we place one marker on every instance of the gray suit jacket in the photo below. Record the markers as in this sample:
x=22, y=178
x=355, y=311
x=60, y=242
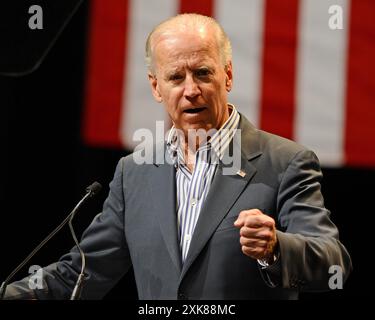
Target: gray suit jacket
x=138, y=227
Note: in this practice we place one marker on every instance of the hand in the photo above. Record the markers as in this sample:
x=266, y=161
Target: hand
x=258, y=234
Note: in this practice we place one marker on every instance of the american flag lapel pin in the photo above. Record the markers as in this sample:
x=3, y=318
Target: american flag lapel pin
x=241, y=173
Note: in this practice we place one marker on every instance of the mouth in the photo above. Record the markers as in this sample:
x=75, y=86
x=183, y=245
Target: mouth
x=194, y=110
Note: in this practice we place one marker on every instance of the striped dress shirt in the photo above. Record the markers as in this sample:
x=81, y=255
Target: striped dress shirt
x=193, y=187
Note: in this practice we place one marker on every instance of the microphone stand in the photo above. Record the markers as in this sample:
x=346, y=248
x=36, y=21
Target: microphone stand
x=91, y=191
x=77, y=288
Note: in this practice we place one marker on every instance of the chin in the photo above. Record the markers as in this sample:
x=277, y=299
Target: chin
x=198, y=126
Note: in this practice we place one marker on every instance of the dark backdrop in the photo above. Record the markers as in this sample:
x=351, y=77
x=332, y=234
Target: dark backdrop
x=46, y=167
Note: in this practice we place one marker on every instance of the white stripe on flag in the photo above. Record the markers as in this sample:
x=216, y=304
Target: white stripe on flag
x=243, y=22
x=319, y=121
x=139, y=110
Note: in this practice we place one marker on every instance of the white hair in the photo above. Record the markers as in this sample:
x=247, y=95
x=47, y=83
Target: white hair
x=189, y=21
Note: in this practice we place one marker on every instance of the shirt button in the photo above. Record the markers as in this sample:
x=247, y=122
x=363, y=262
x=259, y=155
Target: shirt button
x=193, y=202
x=187, y=237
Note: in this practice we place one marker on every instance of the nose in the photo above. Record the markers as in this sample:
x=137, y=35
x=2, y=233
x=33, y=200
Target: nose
x=191, y=89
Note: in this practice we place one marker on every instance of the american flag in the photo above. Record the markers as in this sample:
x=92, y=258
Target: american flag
x=293, y=75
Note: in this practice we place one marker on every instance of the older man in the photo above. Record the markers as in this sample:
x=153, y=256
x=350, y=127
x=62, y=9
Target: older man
x=189, y=230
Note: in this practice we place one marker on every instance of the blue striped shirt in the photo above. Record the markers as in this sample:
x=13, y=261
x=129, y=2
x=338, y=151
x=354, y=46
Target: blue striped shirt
x=192, y=187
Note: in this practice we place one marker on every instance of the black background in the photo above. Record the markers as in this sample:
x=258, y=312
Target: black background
x=46, y=167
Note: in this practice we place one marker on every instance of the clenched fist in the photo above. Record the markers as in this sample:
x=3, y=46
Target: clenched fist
x=257, y=234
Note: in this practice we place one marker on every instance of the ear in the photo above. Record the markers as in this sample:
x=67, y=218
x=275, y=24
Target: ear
x=155, y=87
x=229, y=76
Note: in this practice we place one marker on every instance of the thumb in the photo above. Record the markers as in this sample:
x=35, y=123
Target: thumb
x=240, y=221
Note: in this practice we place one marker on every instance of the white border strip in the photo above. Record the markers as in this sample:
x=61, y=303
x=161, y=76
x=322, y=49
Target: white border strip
x=243, y=22
x=321, y=79
x=139, y=108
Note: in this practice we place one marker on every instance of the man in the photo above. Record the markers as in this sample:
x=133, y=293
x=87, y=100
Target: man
x=190, y=230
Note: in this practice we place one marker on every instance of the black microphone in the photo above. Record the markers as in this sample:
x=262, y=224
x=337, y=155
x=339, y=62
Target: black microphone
x=91, y=191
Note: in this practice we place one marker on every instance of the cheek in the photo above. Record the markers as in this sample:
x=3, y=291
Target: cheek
x=215, y=95
x=171, y=103
x=172, y=97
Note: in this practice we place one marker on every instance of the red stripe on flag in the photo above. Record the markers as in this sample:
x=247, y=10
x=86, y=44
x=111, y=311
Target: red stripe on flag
x=360, y=99
x=107, y=52
x=279, y=67
x=205, y=7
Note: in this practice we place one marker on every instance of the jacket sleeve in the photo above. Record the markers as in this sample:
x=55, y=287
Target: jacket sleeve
x=308, y=240
x=106, y=251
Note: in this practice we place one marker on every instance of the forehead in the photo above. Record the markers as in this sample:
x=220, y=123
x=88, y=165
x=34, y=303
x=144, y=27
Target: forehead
x=174, y=49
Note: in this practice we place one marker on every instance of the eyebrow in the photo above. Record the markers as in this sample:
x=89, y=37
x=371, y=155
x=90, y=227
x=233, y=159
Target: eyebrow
x=205, y=68
x=177, y=70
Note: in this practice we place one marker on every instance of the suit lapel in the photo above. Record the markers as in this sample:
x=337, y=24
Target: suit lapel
x=227, y=188
x=163, y=190
x=224, y=192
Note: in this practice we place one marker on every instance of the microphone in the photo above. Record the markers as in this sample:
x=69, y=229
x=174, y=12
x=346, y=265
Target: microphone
x=91, y=191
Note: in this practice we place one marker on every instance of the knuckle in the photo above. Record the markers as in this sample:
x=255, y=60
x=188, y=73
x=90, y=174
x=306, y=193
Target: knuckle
x=249, y=221
x=272, y=224
x=242, y=231
x=243, y=213
x=267, y=235
x=247, y=242
x=262, y=244
x=242, y=241
x=244, y=250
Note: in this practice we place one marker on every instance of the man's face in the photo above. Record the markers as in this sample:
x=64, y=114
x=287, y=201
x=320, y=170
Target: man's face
x=191, y=80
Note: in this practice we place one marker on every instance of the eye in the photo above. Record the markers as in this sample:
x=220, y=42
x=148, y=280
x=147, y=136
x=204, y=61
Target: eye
x=202, y=72
x=175, y=77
